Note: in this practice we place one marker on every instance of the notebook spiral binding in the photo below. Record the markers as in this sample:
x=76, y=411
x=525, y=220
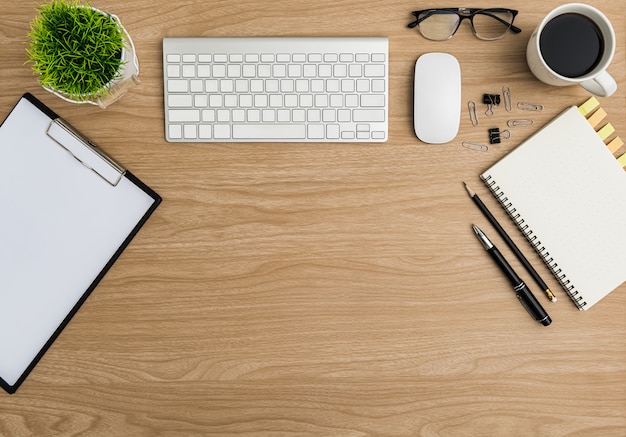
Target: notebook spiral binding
x=533, y=239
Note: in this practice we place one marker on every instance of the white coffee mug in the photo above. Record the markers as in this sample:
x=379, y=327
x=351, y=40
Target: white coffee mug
x=597, y=81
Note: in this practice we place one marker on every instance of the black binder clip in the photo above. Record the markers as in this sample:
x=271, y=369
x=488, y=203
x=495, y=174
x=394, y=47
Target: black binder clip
x=495, y=136
x=492, y=101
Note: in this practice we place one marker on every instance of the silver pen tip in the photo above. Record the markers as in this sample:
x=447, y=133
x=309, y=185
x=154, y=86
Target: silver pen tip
x=482, y=237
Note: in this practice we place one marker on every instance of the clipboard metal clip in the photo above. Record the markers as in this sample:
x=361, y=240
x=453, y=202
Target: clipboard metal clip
x=84, y=151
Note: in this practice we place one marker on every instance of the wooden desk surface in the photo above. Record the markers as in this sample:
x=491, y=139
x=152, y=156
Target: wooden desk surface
x=319, y=289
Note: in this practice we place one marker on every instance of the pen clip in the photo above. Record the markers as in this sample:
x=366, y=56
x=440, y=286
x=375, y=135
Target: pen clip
x=84, y=151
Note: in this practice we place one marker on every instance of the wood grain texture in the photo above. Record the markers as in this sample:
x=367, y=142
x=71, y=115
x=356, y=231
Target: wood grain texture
x=319, y=289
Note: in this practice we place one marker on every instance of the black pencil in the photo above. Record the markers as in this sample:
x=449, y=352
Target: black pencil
x=510, y=243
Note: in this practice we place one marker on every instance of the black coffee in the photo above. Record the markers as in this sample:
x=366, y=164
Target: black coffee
x=571, y=44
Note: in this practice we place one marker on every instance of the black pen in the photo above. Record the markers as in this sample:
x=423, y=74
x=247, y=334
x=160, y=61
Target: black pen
x=524, y=295
x=510, y=243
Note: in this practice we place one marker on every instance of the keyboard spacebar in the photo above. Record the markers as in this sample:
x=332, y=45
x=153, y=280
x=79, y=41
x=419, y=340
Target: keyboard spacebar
x=269, y=131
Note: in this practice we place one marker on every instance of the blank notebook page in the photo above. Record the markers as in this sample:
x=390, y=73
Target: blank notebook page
x=60, y=225
x=570, y=192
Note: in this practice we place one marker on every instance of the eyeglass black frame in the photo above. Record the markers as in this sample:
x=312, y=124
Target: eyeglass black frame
x=470, y=13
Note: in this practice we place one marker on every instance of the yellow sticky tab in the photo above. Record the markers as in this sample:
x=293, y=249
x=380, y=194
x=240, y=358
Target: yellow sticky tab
x=622, y=160
x=615, y=145
x=588, y=106
x=597, y=117
x=606, y=131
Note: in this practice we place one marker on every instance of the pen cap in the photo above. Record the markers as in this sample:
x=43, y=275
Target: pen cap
x=532, y=305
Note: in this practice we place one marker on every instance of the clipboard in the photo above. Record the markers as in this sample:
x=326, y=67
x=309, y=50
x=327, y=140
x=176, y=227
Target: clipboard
x=67, y=213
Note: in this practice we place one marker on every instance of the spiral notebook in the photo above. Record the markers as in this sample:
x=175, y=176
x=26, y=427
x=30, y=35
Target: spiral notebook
x=68, y=212
x=566, y=191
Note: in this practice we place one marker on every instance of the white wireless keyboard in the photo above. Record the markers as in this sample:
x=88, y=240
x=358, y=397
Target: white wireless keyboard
x=276, y=89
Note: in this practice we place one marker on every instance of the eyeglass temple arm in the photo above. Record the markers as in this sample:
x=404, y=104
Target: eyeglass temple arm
x=419, y=20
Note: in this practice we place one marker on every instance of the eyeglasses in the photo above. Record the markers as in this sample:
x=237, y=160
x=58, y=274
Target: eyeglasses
x=487, y=24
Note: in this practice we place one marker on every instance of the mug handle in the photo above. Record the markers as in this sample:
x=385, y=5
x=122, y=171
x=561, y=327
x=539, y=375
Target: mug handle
x=603, y=85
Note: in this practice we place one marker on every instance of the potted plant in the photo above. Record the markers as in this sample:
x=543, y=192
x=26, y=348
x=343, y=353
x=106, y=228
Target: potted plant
x=80, y=53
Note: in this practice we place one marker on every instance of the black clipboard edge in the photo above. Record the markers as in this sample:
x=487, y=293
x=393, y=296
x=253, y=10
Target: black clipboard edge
x=12, y=388
x=43, y=108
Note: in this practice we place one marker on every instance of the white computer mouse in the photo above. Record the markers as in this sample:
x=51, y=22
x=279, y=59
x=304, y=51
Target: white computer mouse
x=437, y=102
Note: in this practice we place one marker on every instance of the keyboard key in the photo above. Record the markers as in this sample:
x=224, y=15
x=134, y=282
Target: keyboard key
x=309, y=70
x=208, y=115
x=314, y=115
x=373, y=100
x=204, y=131
x=340, y=70
x=269, y=131
x=248, y=70
x=223, y=115
x=204, y=70
x=173, y=71
x=344, y=115
x=316, y=131
x=363, y=85
x=268, y=115
x=200, y=100
x=211, y=85
x=175, y=131
x=332, y=131
x=378, y=85
x=378, y=135
x=179, y=101
x=196, y=85
x=279, y=70
x=221, y=131
x=284, y=115
x=190, y=131
x=189, y=71
x=368, y=115
x=182, y=115
x=374, y=70
x=355, y=70
x=234, y=71
x=329, y=115
x=177, y=86
x=219, y=70
x=254, y=115
x=239, y=115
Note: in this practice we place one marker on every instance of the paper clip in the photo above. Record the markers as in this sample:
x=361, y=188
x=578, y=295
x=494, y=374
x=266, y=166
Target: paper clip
x=506, y=96
x=471, y=106
x=519, y=123
x=526, y=106
x=475, y=146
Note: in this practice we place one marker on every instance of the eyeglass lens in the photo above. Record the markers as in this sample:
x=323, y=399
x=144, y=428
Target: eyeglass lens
x=441, y=24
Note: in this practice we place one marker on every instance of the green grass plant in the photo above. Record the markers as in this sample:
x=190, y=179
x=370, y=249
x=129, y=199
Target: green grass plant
x=75, y=49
